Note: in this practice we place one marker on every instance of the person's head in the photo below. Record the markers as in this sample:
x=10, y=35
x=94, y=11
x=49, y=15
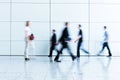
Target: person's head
x=53, y=30
x=66, y=24
x=79, y=26
x=27, y=23
x=105, y=27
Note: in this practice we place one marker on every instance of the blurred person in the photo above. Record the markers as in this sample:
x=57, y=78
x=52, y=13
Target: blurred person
x=53, y=43
x=28, y=40
x=64, y=39
x=80, y=40
x=105, y=43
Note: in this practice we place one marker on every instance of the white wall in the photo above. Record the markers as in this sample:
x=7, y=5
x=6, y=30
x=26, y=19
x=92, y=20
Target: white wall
x=91, y=14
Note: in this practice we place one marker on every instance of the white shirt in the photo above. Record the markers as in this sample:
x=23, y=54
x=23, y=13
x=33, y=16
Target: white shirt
x=27, y=31
x=106, y=37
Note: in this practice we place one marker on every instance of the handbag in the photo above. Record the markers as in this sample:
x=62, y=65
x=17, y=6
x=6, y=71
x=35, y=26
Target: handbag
x=31, y=37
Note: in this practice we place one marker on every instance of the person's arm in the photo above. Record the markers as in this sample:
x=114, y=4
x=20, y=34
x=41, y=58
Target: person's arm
x=26, y=33
x=106, y=37
x=78, y=38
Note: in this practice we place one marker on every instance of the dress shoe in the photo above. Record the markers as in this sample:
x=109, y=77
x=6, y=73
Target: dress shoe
x=73, y=58
x=57, y=60
x=27, y=58
x=109, y=55
x=49, y=56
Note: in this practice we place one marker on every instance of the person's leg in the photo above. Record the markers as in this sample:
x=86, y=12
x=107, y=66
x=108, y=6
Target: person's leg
x=78, y=49
x=57, y=57
x=71, y=54
x=51, y=50
x=26, y=48
x=108, y=49
x=104, y=44
x=84, y=50
x=81, y=47
x=56, y=50
x=58, y=54
x=61, y=49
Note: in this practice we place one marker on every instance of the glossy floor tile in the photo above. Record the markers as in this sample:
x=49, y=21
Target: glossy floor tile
x=43, y=68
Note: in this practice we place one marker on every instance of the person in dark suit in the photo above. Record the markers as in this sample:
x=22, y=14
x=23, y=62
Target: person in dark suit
x=105, y=43
x=80, y=40
x=53, y=43
x=64, y=39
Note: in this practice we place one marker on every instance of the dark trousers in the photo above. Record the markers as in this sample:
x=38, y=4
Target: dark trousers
x=105, y=44
x=64, y=46
x=51, y=49
x=78, y=49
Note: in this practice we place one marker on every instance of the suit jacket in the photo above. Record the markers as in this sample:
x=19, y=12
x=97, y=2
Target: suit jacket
x=65, y=35
x=53, y=39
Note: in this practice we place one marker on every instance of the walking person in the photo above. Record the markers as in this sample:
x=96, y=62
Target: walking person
x=64, y=39
x=80, y=40
x=105, y=43
x=28, y=40
x=53, y=43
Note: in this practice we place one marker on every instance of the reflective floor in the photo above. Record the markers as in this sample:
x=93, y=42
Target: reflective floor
x=42, y=68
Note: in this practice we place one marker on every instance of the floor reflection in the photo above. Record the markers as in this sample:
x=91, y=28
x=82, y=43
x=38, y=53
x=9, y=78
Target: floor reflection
x=43, y=68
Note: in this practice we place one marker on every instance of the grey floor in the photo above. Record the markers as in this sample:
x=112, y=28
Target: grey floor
x=41, y=68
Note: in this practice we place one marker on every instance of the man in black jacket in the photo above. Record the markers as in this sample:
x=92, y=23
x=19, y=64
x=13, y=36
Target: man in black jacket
x=53, y=43
x=64, y=39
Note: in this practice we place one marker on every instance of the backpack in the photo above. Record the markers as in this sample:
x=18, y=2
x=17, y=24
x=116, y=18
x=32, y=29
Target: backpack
x=31, y=37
